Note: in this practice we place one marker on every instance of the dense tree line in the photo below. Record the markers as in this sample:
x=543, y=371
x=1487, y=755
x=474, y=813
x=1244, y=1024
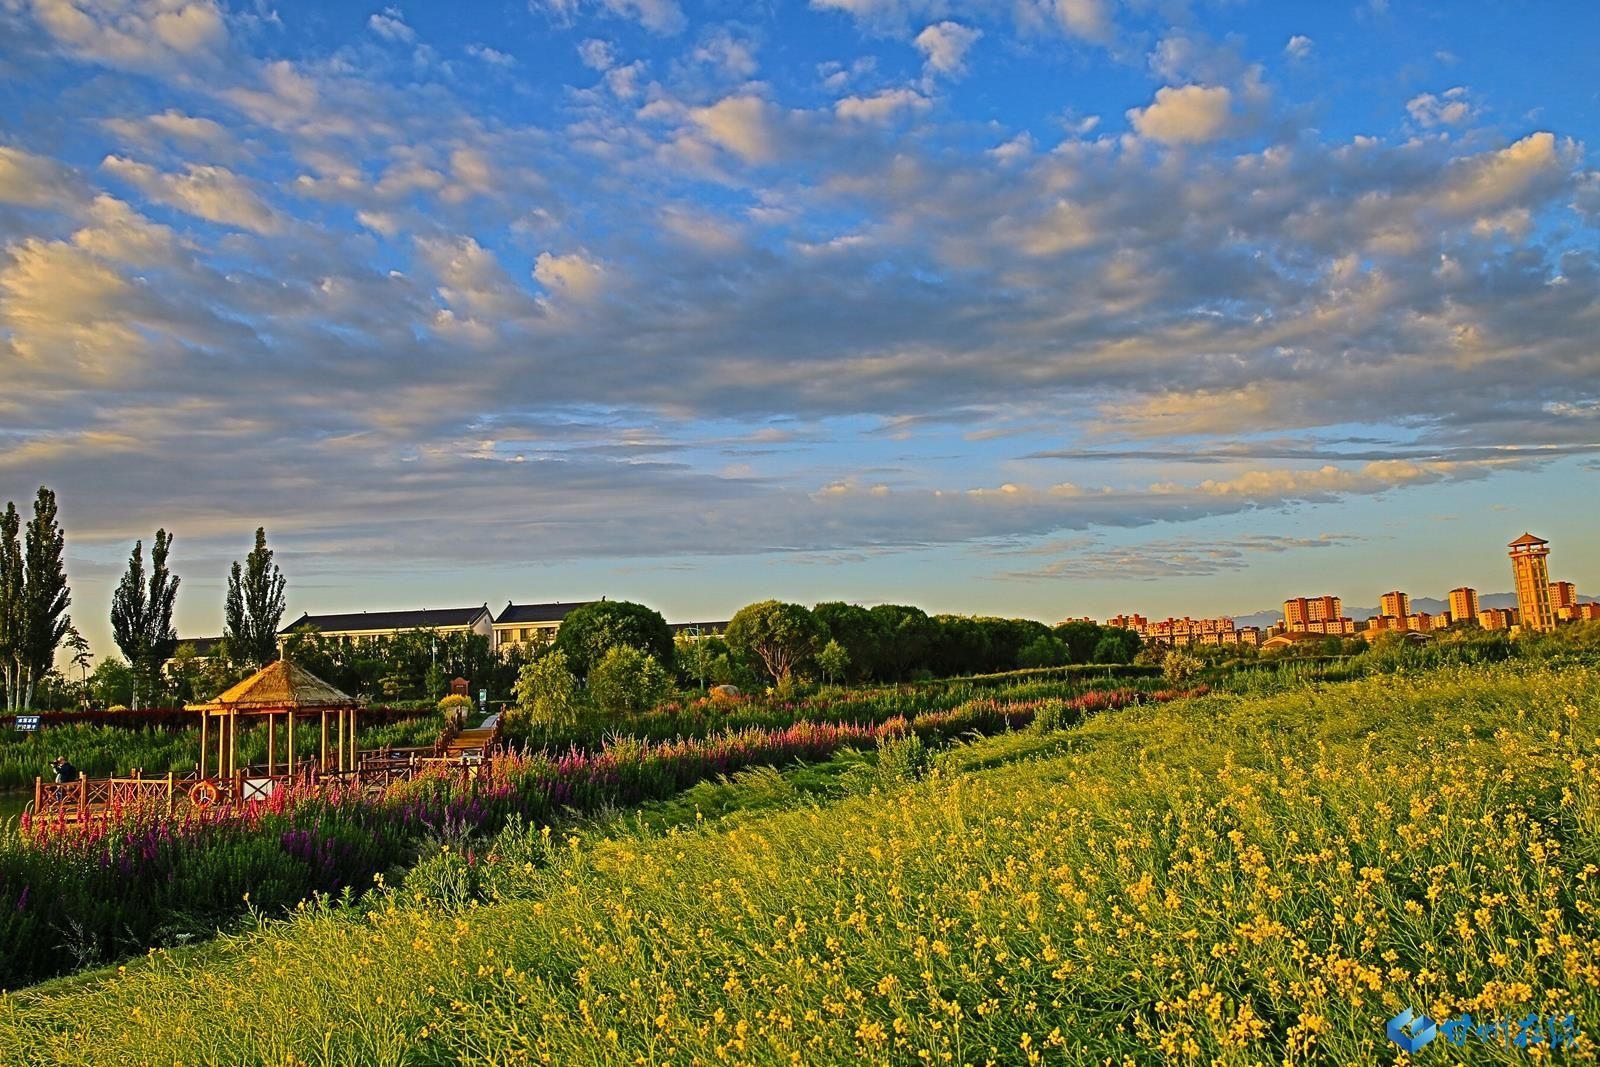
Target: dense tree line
x=409, y=666
x=896, y=642
x=620, y=650
x=612, y=657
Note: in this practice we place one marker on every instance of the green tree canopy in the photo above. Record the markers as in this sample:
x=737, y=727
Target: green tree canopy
x=589, y=632
x=908, y=639
x=547, y=691
x=627, y=681
x=1116, y=645
x=779, y=636
x=1081, y=638
x=13, y=618
x=45, y=595
x=1046, y=650
x=141, y=613
x=833, y=661
x=860, y=632
x=254, y=606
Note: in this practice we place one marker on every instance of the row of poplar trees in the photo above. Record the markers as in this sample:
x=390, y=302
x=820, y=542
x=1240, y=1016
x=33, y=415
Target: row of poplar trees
x=34, y=597
x=143, y=603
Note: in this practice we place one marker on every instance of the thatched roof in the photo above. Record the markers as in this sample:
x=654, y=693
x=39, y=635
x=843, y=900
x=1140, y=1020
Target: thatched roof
x=283, y=686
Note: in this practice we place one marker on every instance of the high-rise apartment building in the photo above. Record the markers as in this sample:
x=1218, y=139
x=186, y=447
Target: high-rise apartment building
x=1299, y=612
x=1563, y=595
x=1497, y=618
x=1397, y=604
x=1532, y=573
x=1464, y=604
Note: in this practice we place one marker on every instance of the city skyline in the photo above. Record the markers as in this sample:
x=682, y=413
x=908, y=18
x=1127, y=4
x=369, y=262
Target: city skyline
x=1042, y=309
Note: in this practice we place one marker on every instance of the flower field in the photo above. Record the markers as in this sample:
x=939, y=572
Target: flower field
x=72, y=895
x=1228, y=879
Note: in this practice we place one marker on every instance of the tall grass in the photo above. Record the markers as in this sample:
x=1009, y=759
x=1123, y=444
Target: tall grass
x=1227, y=880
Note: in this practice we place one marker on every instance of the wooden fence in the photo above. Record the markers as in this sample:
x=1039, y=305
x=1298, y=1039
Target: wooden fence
x=93, y=798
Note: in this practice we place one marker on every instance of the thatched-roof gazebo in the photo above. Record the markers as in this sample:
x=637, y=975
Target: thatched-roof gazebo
x=285, y=690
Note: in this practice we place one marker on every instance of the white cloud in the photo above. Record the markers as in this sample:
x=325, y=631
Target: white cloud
x=33, y=181
x=1492, y=181
x=572, y=275
x=67, y=314
x=945, y=46
x=881, y=107
x=1191, y=114
x=1015, y=150
x=134, y=33
x=597, y=54
x=390, y=24
x=657, y=16
x=117, y=232
x=172, y=125
x=1450, y=108
x=1299, y=46
x=215, y=194
x=1089, y=19
x=623, y=81
x=472, y=281
x=732, y=57
x=740, y=124
x=492, y=56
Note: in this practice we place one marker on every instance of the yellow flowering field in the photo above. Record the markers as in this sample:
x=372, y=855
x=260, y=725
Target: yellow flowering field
x=1228, y=879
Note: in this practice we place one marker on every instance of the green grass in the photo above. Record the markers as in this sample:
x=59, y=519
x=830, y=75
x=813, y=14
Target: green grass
x=1235, y=879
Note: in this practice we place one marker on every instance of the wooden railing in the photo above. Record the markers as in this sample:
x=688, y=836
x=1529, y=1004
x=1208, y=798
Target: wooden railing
x=93, y=798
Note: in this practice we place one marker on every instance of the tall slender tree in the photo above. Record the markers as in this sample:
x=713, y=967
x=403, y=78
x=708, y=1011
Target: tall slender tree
x=254, y=606
x=45, y=594
x=141, y=613
x=130, y=615
x=163, y=598
x=81, y=659
x=12, y=625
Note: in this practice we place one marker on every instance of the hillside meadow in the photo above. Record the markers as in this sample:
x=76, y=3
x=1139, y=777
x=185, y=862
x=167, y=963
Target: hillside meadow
x=1231, y=879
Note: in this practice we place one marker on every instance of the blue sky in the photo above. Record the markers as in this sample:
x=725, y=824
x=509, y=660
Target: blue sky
x=1042, y=307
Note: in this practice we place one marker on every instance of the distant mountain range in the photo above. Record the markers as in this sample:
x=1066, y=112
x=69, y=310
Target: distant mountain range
x=1270, y=617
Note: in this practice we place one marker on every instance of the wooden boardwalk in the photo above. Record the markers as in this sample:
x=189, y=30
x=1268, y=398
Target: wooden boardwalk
x=474, y=745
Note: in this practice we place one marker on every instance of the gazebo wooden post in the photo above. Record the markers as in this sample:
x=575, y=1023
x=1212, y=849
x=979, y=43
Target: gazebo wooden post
x=355, y=745
x=222, y=747
x=341, y=740
x=272, y=745
x=322, y=753
x=233, y=743
x=289, y=756
x=205, y=735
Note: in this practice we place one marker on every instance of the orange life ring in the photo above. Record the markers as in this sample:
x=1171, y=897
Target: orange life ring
x=204, y=794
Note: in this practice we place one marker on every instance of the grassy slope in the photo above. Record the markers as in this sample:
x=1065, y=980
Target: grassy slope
x=1236, y=880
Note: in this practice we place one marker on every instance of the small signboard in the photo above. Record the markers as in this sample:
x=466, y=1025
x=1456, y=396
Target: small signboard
x=27, y=723
x=259, y=788
x=483, y=698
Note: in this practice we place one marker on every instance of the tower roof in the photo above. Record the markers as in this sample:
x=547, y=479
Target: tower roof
x=1527, y=539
